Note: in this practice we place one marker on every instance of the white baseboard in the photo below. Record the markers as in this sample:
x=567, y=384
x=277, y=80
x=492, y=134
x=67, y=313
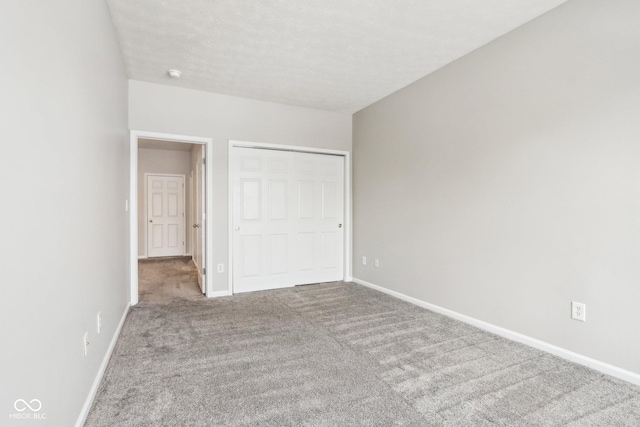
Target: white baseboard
x=103, y=366
x=142, y=257
x=603, y=367
x=217, y=294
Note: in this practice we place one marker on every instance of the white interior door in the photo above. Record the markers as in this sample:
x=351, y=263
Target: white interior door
x=287, y=218
x=319, y=217
x=165, y=215
x=199, y=223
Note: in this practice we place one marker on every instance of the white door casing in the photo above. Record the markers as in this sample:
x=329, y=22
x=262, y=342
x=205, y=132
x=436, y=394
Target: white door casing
x=132, y=205
x=165, y=215
x=287, y=218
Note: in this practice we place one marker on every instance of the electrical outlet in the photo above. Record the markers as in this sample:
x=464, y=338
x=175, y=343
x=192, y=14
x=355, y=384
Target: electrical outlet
x=376, y=263
x=99, y=322
x=86, y=342
x=220, y=268
x=579, y=311
x=364, y=260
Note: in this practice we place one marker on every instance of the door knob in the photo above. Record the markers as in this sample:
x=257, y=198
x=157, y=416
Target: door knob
x=150, y=220
x=339, y=225
x=236, y=228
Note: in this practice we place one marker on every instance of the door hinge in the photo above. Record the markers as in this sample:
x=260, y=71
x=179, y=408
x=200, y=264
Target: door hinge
x=204, y=271
x=204, y=161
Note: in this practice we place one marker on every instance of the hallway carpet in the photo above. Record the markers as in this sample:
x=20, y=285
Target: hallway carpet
x=338, y=354
x=163, y=280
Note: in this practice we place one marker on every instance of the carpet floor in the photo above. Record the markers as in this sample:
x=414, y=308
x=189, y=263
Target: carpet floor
x=338, y=354
x=163, y=280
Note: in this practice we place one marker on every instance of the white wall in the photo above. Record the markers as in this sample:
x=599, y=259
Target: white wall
x=64, y=174
x=175, y=110
x=151, y=160
x=507, y=184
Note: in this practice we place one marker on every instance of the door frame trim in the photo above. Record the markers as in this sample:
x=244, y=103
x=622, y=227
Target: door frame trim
x=146, y=207
x=348, y=213
x=134, y=135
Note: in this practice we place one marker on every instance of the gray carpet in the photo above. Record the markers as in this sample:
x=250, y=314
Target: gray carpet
x=162, y=280
x=338, y=355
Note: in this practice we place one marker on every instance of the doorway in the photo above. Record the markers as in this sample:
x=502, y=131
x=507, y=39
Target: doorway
x=168, y=206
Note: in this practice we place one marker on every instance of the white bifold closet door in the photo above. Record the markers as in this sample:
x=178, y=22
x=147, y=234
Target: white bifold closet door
x=287, y=218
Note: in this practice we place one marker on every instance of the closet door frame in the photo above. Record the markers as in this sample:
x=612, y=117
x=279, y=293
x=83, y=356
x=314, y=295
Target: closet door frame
x=347, y=244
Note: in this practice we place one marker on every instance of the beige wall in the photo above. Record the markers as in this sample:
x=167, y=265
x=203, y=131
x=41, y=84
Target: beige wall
x=507, y=184
x=151, y=160
x=64, y=173
x=175, y=110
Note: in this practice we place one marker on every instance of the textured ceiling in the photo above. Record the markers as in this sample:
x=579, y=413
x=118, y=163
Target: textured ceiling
x=338, y=55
